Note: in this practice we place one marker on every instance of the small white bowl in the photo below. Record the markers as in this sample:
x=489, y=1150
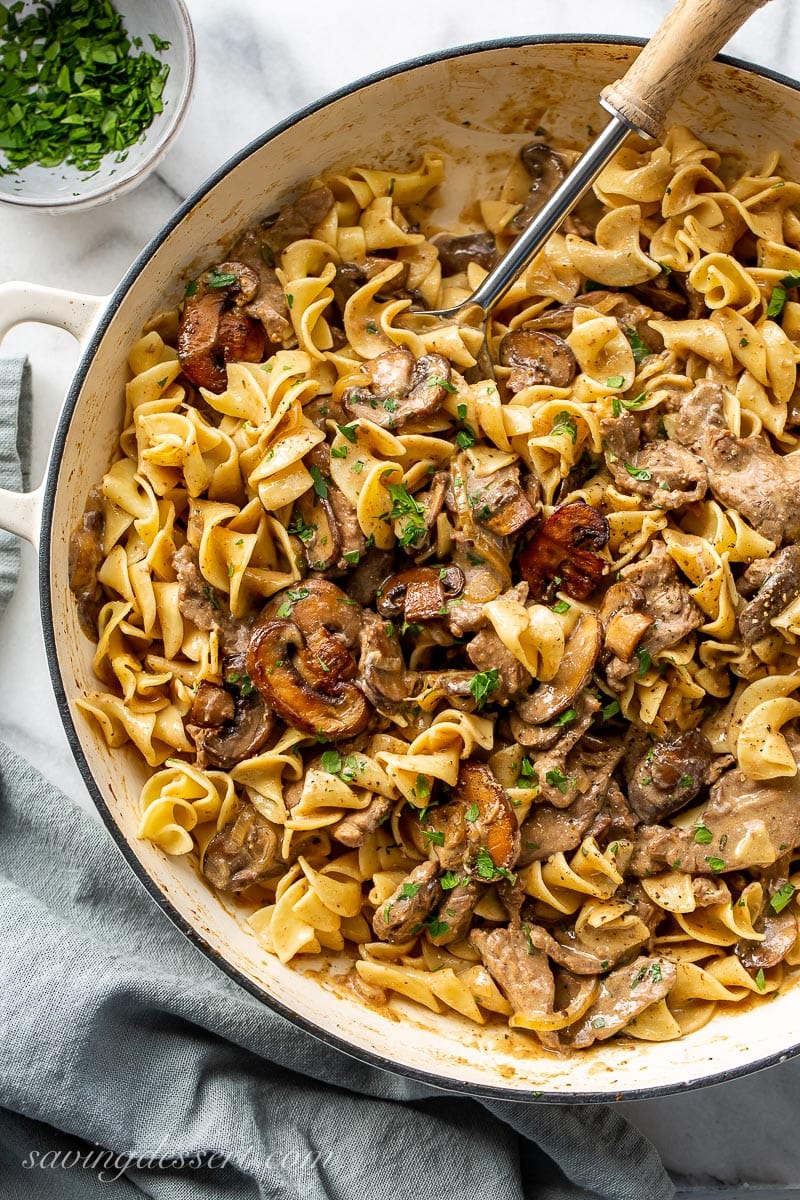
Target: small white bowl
x=64, y=188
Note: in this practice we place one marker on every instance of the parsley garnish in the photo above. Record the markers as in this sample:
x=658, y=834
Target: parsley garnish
x=702, y=835
x=610, y=710
x=483, y=684
x=561, y=606
x=638, y=472
x=220, y=279
x=434, y=836
x=645, y=660
x=346, y=768
x=448, y=881
x=566, y=717
x=405, y=507
x=776, y=301
x=486, y=869
x=300, y=529
x=527, y=774
x=320, y=486
x=349, y=431
x=616, y=381
x=556, y=778
x=640, y=350
x=716, y=864
x=778, y=900
x=761, y=981
x=472, y=812
x=564, y=424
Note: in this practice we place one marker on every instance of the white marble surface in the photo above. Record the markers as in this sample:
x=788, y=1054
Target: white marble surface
x=257, y=64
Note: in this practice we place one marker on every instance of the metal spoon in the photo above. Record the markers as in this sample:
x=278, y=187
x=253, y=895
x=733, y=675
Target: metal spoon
x=688, y=38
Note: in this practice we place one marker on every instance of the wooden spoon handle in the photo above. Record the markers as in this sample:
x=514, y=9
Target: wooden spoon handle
x=687, y=39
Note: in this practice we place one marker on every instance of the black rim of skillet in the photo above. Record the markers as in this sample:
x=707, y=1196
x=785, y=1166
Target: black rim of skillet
x=371, y=1058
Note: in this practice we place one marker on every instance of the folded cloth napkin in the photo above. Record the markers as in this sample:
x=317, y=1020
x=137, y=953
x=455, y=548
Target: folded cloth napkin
x=133, y=1066
x=15, y=440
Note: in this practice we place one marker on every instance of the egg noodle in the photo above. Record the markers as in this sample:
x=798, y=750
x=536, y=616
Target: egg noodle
x=485, y=678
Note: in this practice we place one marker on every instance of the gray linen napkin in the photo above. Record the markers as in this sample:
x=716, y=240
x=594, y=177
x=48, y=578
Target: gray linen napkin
x=15, y=441
x=132, y=1066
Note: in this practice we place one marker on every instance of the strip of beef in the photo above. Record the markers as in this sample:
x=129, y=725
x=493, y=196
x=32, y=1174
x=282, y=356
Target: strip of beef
x=779, y=587
x=751, y=822
x=454, y=914
x=558, y=778
x=666, y=600
x=498, y=501
x=407, y=909
x=521, y=972
x=85, y=560
x=354, y=829
x=666, y=474
x=667, y=775
x=624, y=993
x=548, y=829
x=744, y=473
x=580, y=962
x=199, y=603
x=487, y=652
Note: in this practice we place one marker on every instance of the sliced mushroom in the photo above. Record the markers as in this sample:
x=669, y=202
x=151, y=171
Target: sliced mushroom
x=286, y=672
x=780, y=934
x=85, y=559
x=574, y=671
x=242, y=853
x=478, y=817
x=400, y=388
x=547, y=169
x=780, y=586
x=456, y=253
x=559, y=550
x=420, y=593
x=536, y=357
x=314, y=522
x=623, y=623
x=317, y=604
x=212, y=706
x=404, y=913
x=213, y=329
x=241, y=736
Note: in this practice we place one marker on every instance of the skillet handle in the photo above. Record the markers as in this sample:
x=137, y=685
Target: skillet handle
x=685, y=42
x=20, y=512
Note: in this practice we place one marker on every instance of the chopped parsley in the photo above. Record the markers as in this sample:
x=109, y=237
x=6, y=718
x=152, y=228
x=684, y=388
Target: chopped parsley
x=220, y=279
x=779, y=899
x=211, y=595
x=556, y=778
x=566, y=717
x=349, y=431
x=73, y=89
x=320, y=486
x=702, y=835
x=346, y=768
x=716, y=864
x=472, y=812
x=422, y=788
x=438, y=381
x=448, y=881
x=645, y=659
x=686, y=781
x=406, y=508
x=761, y=981
x=528, y=776
x=640, y=350
x=561, y=606
x=483, y=684
x=242, y=681
x=776, y=301
x=436, y=927
x=615, y=381
x=409, y=890
x=433, y=836
x=638, y=472
x=564, y=425
x=610, y=710
x=301, y=529
x=486, y=869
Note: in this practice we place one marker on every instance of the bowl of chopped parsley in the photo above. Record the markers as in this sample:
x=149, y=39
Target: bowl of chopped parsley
x=92, y=93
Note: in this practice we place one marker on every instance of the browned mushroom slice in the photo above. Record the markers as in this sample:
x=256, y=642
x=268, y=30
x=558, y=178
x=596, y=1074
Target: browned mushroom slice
x=536, y=357
x=456, y=253
x=479, y=826
x=85, y=558
x=546, y=169
x=558, y=551
x=242, y=853
x=669, y=774
x=314, y=523
x=420, y=593
x=400, y=388
x=574, y=672
x=316, y=604
x=405, y=912
x=213, y=329
x=283, y=669
x=228, y=729
x=780, y=934
x=623, y=623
